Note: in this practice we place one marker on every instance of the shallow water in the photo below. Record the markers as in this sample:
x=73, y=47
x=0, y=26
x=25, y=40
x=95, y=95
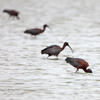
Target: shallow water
x=25, y=74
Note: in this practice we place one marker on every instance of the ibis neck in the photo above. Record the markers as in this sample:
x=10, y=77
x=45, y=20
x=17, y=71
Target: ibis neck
x=63, y=47
x=44, y=28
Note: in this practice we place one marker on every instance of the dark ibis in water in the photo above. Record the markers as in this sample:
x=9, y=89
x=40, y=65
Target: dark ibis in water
x=36, y=31
x=55, y=49
x=79, y=64
x=12, y=13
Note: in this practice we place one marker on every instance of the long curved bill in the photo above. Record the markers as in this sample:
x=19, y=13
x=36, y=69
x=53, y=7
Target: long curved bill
x=70, y=48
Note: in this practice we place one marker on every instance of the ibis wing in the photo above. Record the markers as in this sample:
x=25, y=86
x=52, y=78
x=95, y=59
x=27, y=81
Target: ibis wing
x=83, y=63
x=54, y=49
x=74, y=62
x=33, y=31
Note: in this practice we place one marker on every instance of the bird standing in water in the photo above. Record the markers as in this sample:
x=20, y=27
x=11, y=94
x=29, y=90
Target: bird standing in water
x=36, y=31
x=12, y=13
x=55, y=49
x=79, y=64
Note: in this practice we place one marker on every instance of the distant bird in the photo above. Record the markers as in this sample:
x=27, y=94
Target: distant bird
x=79, y=64
x=12, y=13
x=36, y=31
x=55, y=49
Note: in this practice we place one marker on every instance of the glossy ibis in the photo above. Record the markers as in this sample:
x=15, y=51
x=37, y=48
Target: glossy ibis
x=55, y=49
x=79, y=64
x=36, y=31
x=12, y=13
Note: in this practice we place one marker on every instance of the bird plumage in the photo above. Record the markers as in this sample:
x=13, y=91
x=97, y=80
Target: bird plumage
x=36, y=31
x=74, y=62
x=79, y=64
x=33, y=31
x=51, y=50
x=11, y=12
x=54, y=49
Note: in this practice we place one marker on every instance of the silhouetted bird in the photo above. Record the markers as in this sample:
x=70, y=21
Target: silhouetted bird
x=79, y=64
x=36, y=31
x=12, y=13
x=55, y=49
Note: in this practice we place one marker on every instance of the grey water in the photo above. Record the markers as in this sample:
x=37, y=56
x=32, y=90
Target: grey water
x=25, y=74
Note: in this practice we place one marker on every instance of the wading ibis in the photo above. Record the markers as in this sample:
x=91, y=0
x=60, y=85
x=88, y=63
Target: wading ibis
x=79, y=64
x=12, y=13
x=55, y=49
x=36, y=31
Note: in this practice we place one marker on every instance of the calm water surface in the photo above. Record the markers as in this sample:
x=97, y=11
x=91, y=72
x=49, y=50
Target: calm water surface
x=25, y=74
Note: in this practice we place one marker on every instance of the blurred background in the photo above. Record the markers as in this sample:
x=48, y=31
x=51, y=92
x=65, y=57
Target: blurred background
x=25, y=74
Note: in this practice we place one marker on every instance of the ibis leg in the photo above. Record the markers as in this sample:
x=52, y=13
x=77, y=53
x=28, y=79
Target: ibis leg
x=77, y=70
